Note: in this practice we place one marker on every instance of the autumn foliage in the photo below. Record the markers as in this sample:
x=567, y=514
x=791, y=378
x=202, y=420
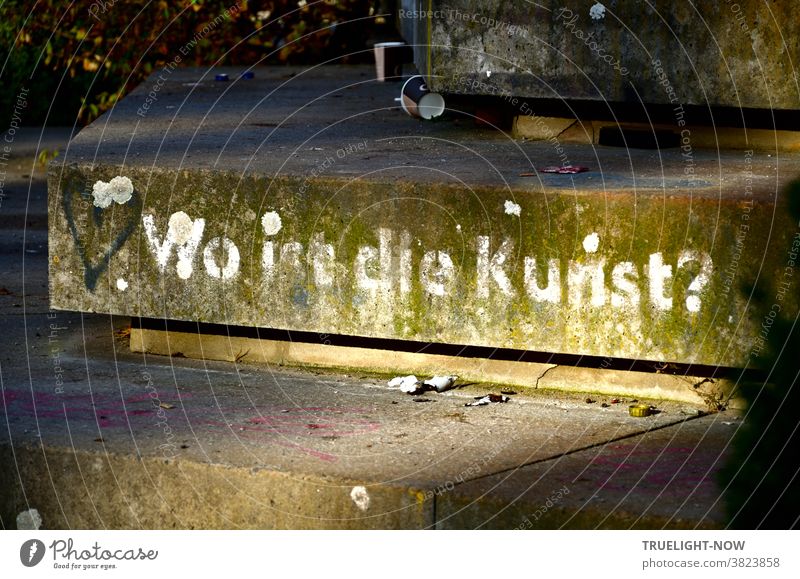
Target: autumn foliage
x=78, y=58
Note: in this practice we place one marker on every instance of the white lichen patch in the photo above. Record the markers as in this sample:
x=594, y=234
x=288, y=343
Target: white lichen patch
x=184, y=269
x=180, y=227
x=360, y=497
x=29, y=520
x=118, y=190
x=591, y=242
x=121, y=189
x=101, y=195
x=512, y=208
x=122, y=285
x=271, y=222
x=597, y=12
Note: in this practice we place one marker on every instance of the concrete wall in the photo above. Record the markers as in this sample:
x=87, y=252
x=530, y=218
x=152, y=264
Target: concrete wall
x=619, y=274
x=737, y=54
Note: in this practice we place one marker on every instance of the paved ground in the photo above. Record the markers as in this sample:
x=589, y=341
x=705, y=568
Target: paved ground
x=94, y=436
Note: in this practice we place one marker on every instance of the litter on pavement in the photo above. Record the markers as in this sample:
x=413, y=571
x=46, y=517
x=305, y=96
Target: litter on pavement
x=412, y=385
x=408, y=384
x=441, y=383
x=488, y=399
x=565, y=169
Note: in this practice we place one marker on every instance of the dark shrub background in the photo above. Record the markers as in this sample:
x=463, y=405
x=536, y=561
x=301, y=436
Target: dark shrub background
x=78, y=58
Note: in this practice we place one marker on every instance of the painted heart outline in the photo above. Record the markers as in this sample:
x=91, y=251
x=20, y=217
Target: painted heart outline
x=93, y=271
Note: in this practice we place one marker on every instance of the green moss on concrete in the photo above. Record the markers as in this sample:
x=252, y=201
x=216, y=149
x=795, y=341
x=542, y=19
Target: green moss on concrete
x=552, y=226
x=544, y=55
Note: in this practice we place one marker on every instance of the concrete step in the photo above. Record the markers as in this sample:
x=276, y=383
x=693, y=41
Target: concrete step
x=98, y=437
x=708, y=386
x=95, y=436
x=305, y=200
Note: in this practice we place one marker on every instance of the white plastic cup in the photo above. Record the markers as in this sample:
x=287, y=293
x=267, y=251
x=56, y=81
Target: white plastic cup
x=418, y=101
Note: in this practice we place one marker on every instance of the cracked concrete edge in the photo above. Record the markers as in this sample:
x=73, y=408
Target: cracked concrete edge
x=75, y=489
x=690, y=389
x=524, y=374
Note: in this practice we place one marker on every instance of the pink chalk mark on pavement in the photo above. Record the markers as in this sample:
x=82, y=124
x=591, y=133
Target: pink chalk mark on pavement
x=311, y=422
x=672, y=471
x=107, y=411
x=140, y=410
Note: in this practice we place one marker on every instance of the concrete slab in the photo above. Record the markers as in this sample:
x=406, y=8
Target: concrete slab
x=94, y=436
x=661, y=479
x=304, y=200
x=101, y=438
x=320, y=425
x=733, y=54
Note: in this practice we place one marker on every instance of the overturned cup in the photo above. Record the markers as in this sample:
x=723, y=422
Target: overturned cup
x=418, y=101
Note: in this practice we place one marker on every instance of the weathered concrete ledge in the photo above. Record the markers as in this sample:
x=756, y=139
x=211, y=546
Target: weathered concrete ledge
x=124, y=491
x=712, y=393
x=306, y=200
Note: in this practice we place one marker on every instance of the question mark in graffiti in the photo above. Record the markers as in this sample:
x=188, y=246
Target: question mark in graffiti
x=699, y=281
